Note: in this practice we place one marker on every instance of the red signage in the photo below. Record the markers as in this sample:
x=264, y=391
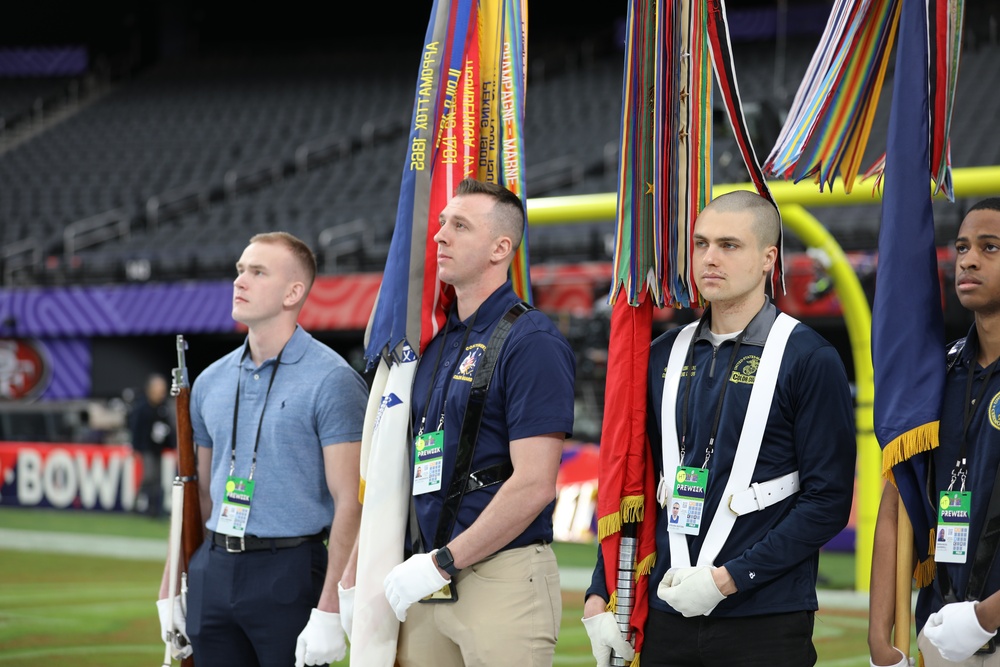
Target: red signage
x=73, y=476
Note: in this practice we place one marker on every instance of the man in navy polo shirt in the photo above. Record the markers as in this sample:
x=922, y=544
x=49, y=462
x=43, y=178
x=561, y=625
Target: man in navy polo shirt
x=752, y=433
x=489, y=545
x=955, y=633
x=277, y=424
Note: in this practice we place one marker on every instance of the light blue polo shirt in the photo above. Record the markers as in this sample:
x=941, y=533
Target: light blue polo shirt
x=317, y=400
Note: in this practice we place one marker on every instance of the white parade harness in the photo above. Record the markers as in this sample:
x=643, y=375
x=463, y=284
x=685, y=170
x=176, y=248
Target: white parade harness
x=743, y=496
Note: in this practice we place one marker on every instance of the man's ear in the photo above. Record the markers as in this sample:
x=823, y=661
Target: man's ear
x=770, y=257
x=502, y=249
x=295, y=294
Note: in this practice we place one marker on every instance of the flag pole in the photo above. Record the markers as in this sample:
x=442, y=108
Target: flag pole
x=625, y=600
x=904, y=581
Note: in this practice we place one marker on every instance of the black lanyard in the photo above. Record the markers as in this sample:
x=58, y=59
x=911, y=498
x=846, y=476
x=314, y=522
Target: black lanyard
x=710, y=449
x=969, y=410
x=236, y=413
x=434, y=370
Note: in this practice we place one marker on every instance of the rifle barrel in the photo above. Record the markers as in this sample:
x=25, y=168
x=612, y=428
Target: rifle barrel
x=192, y=529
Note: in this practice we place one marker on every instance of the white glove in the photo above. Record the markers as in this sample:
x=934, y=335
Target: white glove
x=690, y=590
x=605, y=637
x=676, y=573
x=175, y=637
x=903, y=661
x=322, y=640
x=955, y=631
x=412, y=580
x=346, y=596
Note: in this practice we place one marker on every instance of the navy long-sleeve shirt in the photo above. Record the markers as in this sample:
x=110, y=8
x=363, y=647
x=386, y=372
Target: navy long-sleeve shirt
x=771, y=554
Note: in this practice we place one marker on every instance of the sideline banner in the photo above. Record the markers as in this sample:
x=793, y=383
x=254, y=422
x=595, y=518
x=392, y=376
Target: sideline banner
x=74, y=476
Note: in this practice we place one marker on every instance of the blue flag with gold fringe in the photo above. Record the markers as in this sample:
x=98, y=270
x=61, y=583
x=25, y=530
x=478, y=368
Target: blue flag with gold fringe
x=908, y=350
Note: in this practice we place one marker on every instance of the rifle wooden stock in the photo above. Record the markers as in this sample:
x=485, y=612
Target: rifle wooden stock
x=192, y=532
x=192, y=529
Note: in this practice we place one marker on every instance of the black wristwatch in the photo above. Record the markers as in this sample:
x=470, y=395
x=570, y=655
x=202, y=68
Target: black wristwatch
x=446, y=561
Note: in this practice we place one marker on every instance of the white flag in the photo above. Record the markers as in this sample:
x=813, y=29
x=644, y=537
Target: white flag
x=385, y=479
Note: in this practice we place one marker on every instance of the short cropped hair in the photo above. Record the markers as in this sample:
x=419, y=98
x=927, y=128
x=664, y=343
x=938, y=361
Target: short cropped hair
x=990, y=204
x=300, y=251
x=766, y=223
x=507, y=215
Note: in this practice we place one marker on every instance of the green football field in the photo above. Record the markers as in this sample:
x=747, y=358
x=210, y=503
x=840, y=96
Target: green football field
x=83, y=611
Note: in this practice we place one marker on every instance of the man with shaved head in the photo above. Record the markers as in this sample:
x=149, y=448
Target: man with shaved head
x=752, y=434
x=277, y=425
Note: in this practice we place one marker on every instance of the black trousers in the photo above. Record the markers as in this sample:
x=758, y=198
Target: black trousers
x=247, y=609
x=152, y=483
x=753, y=641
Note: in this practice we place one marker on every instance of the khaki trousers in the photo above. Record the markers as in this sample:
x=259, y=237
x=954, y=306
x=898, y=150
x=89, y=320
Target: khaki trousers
x=508, y=612
x=933, y=659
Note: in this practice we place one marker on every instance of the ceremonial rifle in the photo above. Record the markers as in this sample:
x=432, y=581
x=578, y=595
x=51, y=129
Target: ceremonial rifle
x=192, y=526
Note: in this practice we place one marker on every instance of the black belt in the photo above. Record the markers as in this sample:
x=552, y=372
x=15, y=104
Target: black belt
x=235, y=545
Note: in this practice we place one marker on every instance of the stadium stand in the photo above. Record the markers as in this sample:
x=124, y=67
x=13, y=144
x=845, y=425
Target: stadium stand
x=166, y=176
x=20, y=97
x=183, y=134
x=223, y=122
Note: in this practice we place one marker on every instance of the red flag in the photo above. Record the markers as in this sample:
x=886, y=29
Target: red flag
x=625, y=478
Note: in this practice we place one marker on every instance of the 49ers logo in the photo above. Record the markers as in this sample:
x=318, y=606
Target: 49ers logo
x=24, y=369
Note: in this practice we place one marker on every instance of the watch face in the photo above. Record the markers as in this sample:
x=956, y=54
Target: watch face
x=445, y=560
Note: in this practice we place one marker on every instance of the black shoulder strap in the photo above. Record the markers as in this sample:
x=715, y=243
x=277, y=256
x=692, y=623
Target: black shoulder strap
x=471, y=423
x=954, y=352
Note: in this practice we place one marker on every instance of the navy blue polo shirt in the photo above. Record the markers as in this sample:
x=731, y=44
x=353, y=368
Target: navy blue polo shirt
x=531, y=394
x=983, y=457
x=771, y=554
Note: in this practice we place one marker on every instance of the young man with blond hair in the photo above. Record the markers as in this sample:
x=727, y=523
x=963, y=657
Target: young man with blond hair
x=277, y=425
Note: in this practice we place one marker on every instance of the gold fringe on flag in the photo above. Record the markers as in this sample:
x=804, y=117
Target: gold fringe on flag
x=921, y=439
x=924, y=572
x=915, y=441
x=645, y=566
x=609, y=525
x=633, y=509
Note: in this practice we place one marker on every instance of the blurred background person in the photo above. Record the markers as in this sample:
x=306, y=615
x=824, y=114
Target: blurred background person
x=152, y=433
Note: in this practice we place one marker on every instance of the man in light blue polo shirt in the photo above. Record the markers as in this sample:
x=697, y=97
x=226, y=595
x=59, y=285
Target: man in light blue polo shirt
x=277, y=423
